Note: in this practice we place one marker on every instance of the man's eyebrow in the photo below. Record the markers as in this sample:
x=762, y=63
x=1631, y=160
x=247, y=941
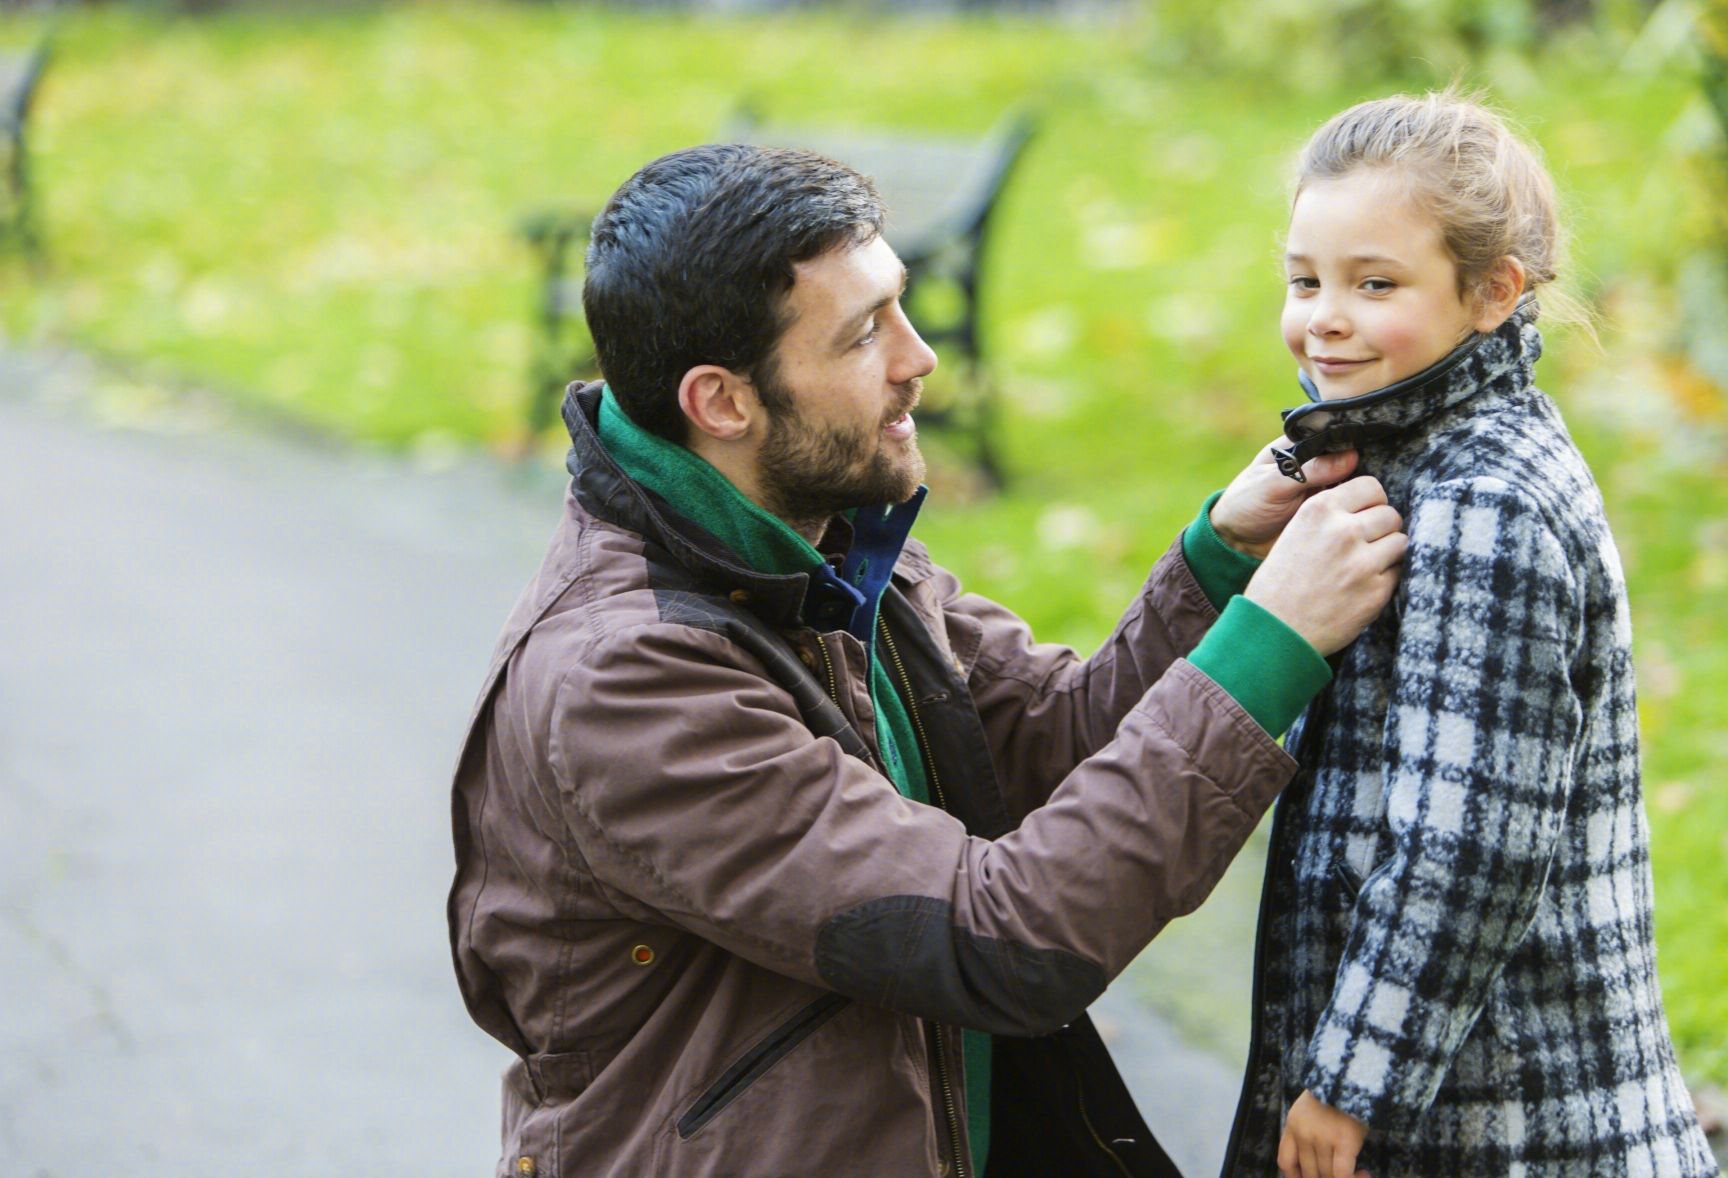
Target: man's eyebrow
x=843, y=337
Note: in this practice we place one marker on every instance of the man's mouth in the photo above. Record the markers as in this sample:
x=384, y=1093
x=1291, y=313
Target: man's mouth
x=901, y=426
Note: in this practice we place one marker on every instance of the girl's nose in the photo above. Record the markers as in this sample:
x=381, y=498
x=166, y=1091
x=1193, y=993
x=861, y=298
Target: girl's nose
x=1327, y=319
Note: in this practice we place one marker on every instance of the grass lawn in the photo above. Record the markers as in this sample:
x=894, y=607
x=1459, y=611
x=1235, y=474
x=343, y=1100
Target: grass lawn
x=316, y=212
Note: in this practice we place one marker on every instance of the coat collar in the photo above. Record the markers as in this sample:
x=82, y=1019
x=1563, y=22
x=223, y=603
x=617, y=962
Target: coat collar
x=1502, y=359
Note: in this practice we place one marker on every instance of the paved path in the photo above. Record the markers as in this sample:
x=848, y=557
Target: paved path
x=233, y=672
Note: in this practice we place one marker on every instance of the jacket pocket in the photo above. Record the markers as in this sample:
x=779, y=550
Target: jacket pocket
x=775, y=1046
x=558, y=1078
x=1348, y=880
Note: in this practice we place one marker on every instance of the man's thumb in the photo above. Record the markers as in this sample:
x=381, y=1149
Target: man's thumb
x=1328, y=469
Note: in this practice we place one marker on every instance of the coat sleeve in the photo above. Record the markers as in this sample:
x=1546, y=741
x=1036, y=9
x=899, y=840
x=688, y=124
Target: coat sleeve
x=1044, y=708
x=1477, y=751
x=691, y=787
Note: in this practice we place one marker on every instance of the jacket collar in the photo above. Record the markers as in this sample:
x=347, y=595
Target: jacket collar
x=1502, y=359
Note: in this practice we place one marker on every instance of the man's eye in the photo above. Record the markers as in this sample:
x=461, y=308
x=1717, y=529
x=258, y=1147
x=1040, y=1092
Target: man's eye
x=1378, y=285
x=869, y=336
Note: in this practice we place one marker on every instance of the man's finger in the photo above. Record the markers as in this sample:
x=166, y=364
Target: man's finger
x=1329, y=468
x=1357, y=494
x=1388, y=551
x=1379, y=522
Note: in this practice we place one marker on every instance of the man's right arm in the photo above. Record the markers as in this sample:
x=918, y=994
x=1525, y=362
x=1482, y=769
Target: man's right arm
x=693, y=787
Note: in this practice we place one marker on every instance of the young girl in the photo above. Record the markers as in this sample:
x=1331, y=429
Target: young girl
x=1455, y=972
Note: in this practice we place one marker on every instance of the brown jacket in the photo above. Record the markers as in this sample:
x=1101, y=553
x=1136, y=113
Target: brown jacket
x=719, y=940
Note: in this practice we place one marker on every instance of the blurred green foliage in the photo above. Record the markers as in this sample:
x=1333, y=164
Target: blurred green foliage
x=315, y=213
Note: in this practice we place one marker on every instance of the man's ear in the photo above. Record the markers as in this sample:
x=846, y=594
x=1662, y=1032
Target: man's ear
x=1498, y=293
x=718, y=402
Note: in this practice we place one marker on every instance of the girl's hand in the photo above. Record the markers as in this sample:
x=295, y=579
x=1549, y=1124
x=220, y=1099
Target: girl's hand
x=1320, y=1142
x=1258, y=503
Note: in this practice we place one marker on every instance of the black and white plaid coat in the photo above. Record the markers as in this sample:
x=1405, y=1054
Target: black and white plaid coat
x=1455, y=940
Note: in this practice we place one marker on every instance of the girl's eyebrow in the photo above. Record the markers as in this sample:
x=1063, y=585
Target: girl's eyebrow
x=1360, y=259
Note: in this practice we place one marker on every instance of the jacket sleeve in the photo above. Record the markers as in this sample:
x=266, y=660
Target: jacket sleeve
x=694, y=792
x=1045, y=709
x=1477, y=752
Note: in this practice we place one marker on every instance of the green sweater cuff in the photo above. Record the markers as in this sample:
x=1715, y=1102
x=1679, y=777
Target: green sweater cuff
x=1266, y=666
x=1221, y=570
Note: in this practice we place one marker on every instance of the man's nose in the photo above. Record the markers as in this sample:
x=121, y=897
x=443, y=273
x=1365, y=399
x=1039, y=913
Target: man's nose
x=916, y=359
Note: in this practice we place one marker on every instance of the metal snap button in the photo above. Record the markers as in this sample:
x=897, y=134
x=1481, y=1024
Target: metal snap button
x=740, y=596
x=525, y=1166
x=642, y=955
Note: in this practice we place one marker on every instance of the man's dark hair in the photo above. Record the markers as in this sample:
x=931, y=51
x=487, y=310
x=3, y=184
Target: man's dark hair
x=691, y=263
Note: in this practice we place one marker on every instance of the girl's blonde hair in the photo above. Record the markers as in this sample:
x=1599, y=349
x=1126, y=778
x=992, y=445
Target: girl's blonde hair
x=1483, y=184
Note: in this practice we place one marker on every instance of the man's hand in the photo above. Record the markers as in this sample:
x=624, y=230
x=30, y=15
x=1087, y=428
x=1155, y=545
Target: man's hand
x=1336, y=565
x=1319, y=1141
x=1260, y=501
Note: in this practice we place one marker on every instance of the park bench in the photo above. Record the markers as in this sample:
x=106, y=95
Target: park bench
x=940, y=193
x=19, y=75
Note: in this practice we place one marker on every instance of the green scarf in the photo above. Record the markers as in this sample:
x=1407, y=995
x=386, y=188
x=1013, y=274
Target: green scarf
x=764, y=542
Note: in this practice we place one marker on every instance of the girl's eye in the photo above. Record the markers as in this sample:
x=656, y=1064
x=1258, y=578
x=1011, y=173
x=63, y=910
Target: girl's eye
x=1378, y=285
x=1305, y=282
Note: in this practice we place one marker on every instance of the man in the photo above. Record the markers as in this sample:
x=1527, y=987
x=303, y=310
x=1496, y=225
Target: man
x=776, y=852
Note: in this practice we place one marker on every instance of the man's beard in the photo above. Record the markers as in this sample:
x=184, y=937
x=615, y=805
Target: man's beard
x=807, y=474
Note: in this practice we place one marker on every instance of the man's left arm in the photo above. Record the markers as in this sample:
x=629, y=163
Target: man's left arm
x=1045, y=709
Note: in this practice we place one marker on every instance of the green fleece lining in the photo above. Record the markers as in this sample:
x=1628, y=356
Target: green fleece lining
x=765, y=543
x=692, y=485
x=1222, y=571
x=1266, y=666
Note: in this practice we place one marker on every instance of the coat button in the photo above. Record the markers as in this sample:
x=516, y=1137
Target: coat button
x=740, y=596
x=525, y=1166
x=642, y=955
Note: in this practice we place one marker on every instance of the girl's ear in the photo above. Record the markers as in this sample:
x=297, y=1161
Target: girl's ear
x=1498, y=293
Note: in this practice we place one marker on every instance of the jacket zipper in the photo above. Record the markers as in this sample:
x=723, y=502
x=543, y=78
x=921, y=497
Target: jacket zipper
x=955, y=1143
x=941, y=1055
x=828, y=663
x=917, y=722
x=774, y=1047
x=949, y=1107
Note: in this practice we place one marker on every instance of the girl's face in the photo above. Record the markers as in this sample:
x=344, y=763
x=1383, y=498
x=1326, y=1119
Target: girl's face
x=1372, y=294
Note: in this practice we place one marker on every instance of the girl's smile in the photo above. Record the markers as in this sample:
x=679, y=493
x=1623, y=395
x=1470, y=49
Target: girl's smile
x=1373, y=293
